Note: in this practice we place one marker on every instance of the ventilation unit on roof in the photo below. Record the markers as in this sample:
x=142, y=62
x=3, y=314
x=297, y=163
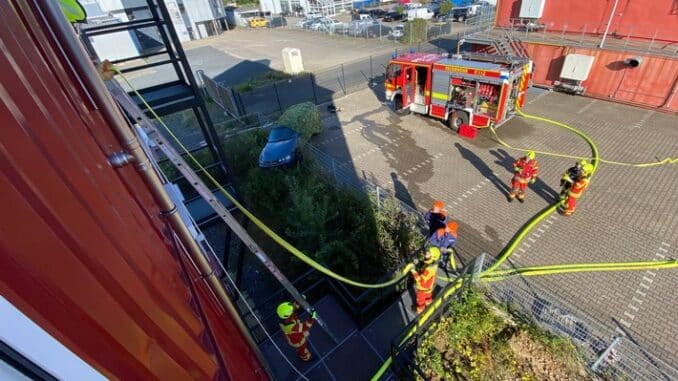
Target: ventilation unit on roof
x=576, y=69
x=530, y=13
x=531, y=9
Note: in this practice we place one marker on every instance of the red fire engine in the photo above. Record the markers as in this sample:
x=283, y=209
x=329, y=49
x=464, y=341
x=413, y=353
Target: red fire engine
x=475, y=89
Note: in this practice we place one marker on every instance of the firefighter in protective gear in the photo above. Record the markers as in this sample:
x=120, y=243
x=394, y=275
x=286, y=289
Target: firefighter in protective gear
x=436, y=217
x=568, y=206
x=296, y=331
x=525, y=171
x=570, y=176
x=425, y=278
x=445, y=239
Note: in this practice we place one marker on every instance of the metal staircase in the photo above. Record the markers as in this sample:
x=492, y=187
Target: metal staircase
x=172, y=91
x=505, y=44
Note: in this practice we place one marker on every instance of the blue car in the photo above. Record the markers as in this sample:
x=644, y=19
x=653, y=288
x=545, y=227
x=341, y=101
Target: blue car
x=280, y=149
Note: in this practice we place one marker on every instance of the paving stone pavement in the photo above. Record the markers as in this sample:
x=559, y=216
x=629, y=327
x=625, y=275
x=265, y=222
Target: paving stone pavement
x=627, y=214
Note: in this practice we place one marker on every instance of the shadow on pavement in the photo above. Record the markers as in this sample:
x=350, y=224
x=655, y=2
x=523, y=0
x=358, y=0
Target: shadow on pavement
x=483, y=168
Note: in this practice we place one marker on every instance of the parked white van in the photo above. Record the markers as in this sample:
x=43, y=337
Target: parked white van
x=419, y=13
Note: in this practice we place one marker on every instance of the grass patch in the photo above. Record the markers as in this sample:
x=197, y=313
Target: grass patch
x=264, y=79
x=475, y=343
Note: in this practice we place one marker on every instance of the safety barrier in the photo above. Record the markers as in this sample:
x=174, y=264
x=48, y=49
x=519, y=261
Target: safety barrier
x=404, y=345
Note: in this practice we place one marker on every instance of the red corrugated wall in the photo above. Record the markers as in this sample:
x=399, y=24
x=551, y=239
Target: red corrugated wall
x=645, y=19
x=84, y=252
x=653, y=83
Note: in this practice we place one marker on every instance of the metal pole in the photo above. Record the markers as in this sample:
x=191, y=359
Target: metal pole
x=334, y=171
x=277, y=98
x=378, y=201
x=343, y=78
x=606, y=353
x=628, y=37
x=371, y=69
x=652, y=42
x=315, y=96
x=583, y=32
x=609, y=22
x=477, y=266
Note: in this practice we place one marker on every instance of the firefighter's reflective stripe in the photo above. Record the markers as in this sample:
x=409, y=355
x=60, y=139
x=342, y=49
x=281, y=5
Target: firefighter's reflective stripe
x=295, y=333
x=578, y=188
x=426, y=280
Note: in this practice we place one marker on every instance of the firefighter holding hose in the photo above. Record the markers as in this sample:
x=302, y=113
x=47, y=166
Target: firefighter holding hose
x=296, y=331
x=425, y=278
x=525, y=171
x=569, y=204
x=570, y=177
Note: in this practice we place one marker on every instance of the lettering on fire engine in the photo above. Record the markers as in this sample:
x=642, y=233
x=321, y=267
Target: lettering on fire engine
x=465, y=70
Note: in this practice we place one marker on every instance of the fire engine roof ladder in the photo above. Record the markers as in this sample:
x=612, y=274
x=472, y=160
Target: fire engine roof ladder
x=161, y=143
x=151, y=26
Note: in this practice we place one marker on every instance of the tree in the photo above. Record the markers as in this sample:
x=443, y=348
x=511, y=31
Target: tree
x=445, y=7
x=415, y=31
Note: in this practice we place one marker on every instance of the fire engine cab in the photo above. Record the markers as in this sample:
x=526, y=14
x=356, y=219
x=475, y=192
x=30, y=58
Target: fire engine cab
x=474, y=89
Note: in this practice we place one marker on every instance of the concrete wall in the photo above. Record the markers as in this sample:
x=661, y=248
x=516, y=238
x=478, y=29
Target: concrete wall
x=653, y=83
x=635, y=18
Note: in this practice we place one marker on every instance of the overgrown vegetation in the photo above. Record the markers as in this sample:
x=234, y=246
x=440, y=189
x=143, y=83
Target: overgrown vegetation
x=262, y=79
x=415, y=31
x=474, y=343
x=303, y=118
x=339, y=228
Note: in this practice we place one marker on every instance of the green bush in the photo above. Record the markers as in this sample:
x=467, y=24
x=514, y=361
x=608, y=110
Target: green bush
x=397, y=233
x=445, y=7
x=415, y=31
x=303, y=118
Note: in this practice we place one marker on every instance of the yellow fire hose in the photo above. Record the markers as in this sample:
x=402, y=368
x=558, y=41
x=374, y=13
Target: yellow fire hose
x=489, y=275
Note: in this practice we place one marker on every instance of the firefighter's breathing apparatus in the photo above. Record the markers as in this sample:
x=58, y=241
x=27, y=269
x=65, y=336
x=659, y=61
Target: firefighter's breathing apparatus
x=491, y=274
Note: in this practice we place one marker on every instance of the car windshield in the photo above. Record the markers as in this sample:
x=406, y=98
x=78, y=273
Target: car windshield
x=281, y=133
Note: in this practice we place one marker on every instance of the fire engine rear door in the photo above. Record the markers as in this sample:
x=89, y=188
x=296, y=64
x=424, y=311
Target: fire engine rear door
x=409, y=75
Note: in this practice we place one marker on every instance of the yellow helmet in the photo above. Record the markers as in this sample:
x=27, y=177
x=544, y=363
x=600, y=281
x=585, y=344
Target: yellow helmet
x=587, y=169
x=285, y=310
x=583, y=162
x=431, y=255
x=530, y=155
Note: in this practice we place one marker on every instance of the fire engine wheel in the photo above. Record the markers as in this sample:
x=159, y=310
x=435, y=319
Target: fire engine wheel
x=398, y=106
x=456, y=119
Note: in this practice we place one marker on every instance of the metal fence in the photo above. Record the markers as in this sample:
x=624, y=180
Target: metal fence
x=379, y=29
x=627, y=360
x=586, y=36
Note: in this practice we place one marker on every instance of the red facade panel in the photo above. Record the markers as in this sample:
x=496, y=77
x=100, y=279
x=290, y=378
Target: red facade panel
x=84, y=252
x=656, y=19
x=652, y=84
